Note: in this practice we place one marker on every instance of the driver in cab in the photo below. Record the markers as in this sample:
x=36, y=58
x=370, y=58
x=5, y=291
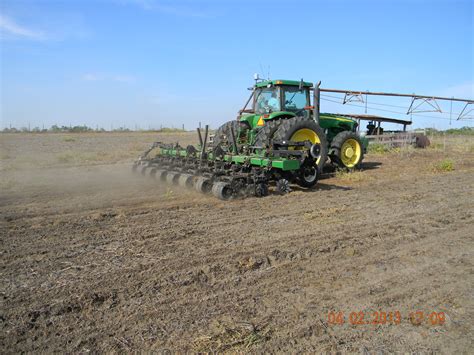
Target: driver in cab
x=273, y=102
x=268, y=105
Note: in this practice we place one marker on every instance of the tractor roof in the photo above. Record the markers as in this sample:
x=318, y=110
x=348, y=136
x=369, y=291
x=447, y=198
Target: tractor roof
x=283, y=82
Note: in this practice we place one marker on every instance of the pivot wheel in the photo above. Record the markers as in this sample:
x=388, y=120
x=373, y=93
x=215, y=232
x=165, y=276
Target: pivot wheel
x=186, y=180
x=347, y=150
x=203, y=185
x=172, y=178
x=222, y=191
x=300, y=129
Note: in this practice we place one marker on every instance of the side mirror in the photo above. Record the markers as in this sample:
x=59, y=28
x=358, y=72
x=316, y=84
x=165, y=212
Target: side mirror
x=301, y=84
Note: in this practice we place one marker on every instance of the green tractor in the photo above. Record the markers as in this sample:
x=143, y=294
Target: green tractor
x=280, y=139
x=281, y=110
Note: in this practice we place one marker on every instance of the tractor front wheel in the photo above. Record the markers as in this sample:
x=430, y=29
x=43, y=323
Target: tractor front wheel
x=347, y=150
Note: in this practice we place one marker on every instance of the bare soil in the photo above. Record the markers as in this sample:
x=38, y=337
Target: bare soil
x=94, y=258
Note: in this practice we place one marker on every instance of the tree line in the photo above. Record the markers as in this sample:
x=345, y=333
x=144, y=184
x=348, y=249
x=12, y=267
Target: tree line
x=81, y=129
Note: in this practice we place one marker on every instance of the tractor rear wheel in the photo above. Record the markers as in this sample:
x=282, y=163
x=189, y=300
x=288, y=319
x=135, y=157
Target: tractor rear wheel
x=223, y=136
x=265, y=134
x=300, y=129
x=347, y=150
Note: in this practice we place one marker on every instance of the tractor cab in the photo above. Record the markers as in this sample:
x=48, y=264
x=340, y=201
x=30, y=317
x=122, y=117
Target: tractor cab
x=281, y=96
x=274, y=100
x=281, y=111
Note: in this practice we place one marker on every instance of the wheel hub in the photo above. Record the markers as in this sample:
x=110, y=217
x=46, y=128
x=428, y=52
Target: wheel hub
x=349, y=152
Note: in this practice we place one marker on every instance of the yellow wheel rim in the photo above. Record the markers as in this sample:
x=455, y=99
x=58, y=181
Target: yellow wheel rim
x=351, y=151
x=305, y=134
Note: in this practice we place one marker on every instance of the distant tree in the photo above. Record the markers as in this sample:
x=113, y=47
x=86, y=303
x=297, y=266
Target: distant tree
x=463, y=130
x=10, y=130
x=121, y=129
x=55, y=128
x=431, y=131
x=80, y=129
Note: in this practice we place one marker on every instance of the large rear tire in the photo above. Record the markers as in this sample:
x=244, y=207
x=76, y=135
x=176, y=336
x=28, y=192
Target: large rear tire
x=265, y=134
x=347, y=150
x=223, y=136
x=299, y=129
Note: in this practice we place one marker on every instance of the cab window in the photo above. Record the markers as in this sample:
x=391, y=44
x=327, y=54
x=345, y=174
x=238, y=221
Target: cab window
x=267, y=100
x=295, y=99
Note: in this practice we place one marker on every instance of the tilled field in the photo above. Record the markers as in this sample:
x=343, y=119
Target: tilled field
x=97, y=259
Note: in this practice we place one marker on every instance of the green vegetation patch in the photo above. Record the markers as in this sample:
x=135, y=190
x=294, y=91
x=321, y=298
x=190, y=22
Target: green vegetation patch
x=444, y=165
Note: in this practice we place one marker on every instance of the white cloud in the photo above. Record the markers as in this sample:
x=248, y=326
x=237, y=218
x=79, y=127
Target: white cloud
x=10, y=28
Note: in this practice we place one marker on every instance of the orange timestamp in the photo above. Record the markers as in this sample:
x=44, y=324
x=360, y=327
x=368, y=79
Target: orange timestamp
x=385, y=318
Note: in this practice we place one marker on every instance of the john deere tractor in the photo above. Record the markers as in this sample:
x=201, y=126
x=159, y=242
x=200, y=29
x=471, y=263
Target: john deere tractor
x=281, y=110
x=278, y=139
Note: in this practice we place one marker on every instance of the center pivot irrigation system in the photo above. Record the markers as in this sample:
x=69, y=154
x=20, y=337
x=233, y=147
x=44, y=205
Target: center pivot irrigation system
x=279, y=138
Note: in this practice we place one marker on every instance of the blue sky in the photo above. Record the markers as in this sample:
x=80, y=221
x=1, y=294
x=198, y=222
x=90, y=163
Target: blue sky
x=146, y=63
